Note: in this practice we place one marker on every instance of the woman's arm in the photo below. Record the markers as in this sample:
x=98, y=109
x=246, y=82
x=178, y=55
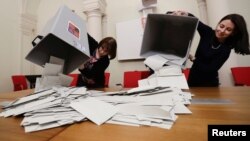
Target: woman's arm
x=202, y=28
x=93, y=44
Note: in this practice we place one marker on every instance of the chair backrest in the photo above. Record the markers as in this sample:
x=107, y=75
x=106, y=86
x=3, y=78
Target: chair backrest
x=241, y=76
x=107, y=76
x=131, y=78
x=75, y=79
x=19, y=82
x=186, y=72
x=145, y=74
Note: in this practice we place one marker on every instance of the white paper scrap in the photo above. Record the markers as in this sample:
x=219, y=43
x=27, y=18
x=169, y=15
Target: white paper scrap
x=95, y=110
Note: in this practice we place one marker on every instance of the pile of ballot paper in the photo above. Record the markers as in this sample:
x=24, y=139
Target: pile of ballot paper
x=141, y=106
x=156, y=102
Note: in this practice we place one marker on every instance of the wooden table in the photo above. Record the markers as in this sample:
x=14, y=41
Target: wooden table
x=187, y=127
x=10, y=129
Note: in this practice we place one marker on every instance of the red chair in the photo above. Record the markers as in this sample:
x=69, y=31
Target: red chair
x=75, y=78
x=131, y=78
x=145, y=74
x=107, y=76
x=186, y=72
x=241, y=76
x=19, y=82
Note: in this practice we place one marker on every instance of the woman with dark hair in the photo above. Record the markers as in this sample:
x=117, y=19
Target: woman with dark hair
x=92, y=71
x=215, y=47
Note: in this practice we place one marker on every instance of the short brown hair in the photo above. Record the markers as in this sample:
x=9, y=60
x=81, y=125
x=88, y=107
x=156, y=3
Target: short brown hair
x=111, y=44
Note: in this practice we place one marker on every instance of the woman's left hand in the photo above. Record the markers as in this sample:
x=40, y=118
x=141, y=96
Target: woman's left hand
x=90, y=81
x=191, y=57
x=81, y=67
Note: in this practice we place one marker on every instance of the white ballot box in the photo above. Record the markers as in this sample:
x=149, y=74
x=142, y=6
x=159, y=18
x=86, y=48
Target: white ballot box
x=64, y=39
x=169, y=36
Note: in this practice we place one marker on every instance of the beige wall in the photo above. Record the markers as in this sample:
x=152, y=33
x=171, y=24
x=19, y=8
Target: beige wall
x=12, y=54
x=241, y=7
x=9, y=40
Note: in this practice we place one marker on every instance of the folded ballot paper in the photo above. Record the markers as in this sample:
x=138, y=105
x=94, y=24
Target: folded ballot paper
x=65, y=38
x=58, y=106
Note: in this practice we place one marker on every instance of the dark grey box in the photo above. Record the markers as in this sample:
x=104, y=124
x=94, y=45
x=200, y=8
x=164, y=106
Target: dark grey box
x=168, y=35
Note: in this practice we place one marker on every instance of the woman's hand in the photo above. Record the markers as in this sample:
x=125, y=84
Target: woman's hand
x=81, y=67
x=87, y=62
x=90, y=81
x=191, y=57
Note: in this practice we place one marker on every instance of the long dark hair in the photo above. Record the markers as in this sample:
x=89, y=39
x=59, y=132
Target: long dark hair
x=239, y=40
